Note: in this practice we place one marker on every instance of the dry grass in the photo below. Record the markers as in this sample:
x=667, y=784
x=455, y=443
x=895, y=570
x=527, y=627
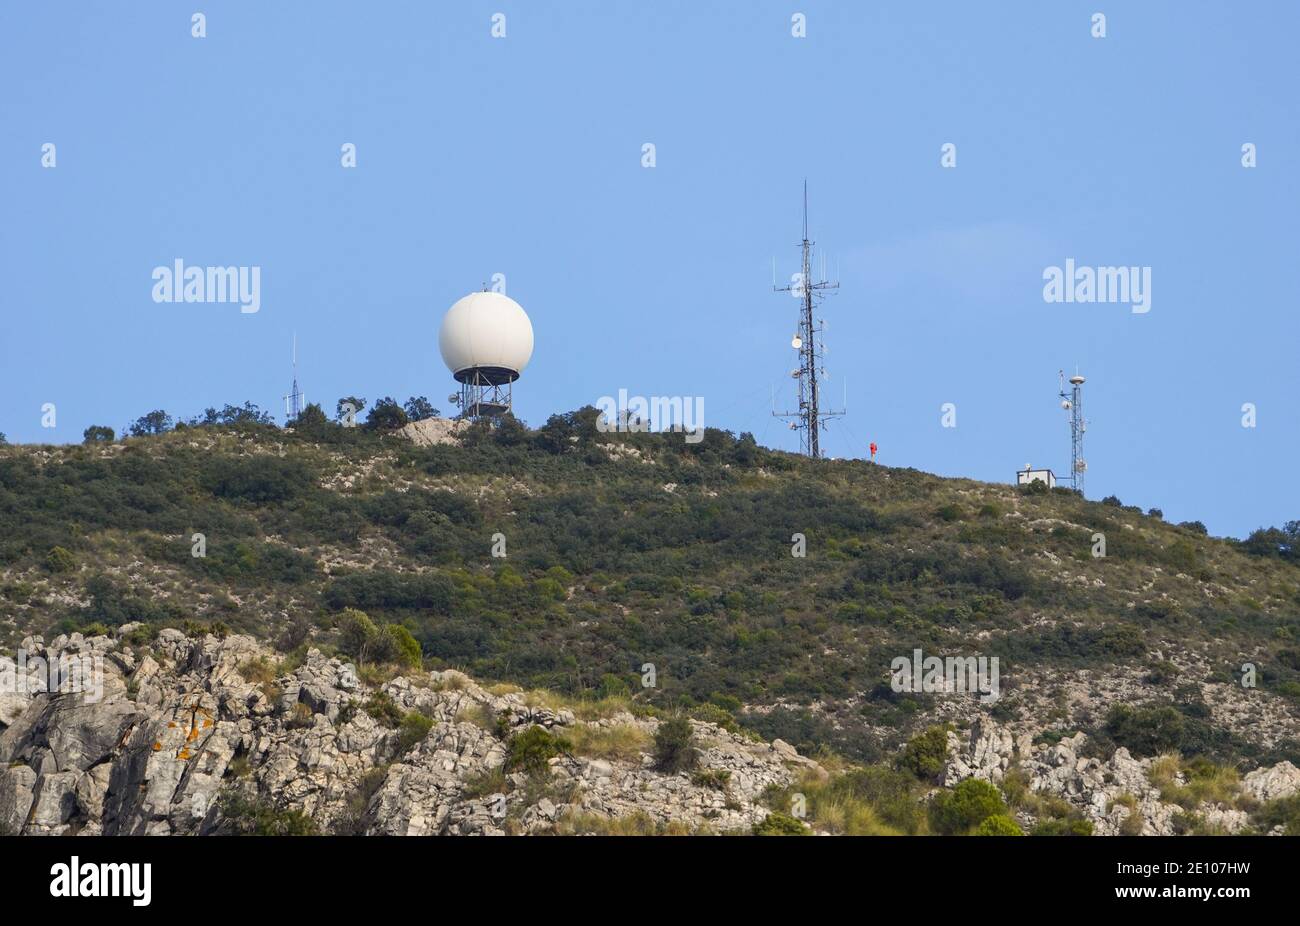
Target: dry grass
x=478, y=714
x=259, y=671
x=1204, y=782
x=617, y=741
x=583, y=708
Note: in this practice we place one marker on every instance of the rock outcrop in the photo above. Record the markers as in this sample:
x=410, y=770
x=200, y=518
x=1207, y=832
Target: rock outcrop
x=430, y=431
x=1117, y=795
x=183, y=724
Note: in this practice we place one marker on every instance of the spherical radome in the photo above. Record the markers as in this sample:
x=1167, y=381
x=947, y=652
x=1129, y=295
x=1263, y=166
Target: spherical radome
x=486, y=331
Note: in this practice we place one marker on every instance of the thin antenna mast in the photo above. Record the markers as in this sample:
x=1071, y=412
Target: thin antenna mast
x=293, y=402
x=810, y=418
x=1072, y=402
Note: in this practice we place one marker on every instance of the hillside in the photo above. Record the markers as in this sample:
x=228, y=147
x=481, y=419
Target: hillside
x=625, y=552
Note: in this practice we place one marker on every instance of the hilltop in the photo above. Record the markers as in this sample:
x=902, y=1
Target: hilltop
x=658, y=575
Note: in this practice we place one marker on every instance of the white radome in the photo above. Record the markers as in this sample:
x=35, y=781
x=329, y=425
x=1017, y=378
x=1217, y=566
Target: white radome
x=486, y=331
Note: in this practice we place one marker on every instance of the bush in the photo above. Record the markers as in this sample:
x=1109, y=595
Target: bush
x=531, y=750
x=675, y=746
x=926, y=754
x=999, y=825
x=98, y=434
x=1072, y=826
x=366, y=642
x=969, y=804
x=356, y=631
x=405, y=648
x=1283, y=812
x=384, y=709
x=1146, y=731
x=779, y=824
x=414, y=727
x=246, y=815
x=59, y=560
x=260, y=480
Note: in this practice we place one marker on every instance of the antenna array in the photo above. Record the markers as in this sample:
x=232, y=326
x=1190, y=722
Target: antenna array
x=294, y=401
x=810, y=417
x=1072, y=402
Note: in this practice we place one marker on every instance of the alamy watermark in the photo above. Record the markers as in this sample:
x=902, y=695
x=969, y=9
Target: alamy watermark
x=953, y=675
x=179, y=283
x=1131, y=285
x=638, y=414
x=71, y=673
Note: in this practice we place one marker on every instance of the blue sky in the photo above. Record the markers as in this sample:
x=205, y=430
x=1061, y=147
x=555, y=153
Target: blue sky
x=522, y=156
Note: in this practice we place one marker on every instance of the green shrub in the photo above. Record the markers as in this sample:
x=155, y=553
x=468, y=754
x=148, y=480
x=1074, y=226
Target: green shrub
x=405, y=648
x=675, y=746
x=59, y=560
x=414, y=728
x=715, y=779
x=1064, y=826
x=965, y=806
x=362, y=639
x=1283, y=812
x=532, y=749
x=246, y=815
x=779, y=824
x=1145, y=731
x=999, y=825
x=926, y=754
x=384, y=709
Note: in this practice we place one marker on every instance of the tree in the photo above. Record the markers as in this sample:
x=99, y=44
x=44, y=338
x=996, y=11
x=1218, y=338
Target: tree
x=3, y=439
x=310, y=418
x=248, y=413
x=156, y=422
x=553, y=437
x=418, y=408
x=563, y=432
x=349, y=400
x=357, y=633
x=387, y=415
x=510, y=431
x=98, y=434
x=406, y=649
x=1283, y=542
x=362, y=639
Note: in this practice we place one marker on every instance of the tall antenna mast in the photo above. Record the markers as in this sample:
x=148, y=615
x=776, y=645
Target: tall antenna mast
x=810, y=418
x=1072, y=402
x=293, y=402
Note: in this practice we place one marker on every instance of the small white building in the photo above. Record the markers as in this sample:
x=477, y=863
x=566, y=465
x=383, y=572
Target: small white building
x=1029, y=474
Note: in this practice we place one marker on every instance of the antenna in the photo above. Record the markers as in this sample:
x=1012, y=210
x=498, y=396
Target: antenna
x=294, y=401
x=1072, y=402
x=810, y=417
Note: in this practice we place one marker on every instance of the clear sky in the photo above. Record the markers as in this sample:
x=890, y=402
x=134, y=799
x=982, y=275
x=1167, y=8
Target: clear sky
x=523, y=156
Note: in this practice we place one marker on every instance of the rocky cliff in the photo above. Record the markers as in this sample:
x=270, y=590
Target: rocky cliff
x=199, y=736
x=1118, y=795
x=184, y=739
